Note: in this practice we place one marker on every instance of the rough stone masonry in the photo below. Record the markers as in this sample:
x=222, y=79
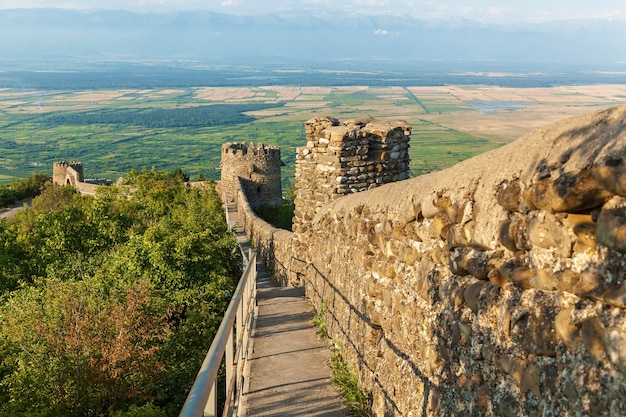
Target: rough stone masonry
x=256, y=169
x=345, y=158
x=494, y=288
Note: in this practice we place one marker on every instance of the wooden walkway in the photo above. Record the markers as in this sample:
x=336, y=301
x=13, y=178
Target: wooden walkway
x=288, y=367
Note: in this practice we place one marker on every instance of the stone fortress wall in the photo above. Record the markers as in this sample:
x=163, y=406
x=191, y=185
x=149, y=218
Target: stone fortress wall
x=256, y=168
x=71, y=173
x=494, y=288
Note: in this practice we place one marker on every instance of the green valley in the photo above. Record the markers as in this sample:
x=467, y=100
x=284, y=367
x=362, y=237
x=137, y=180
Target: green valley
x=115, y=130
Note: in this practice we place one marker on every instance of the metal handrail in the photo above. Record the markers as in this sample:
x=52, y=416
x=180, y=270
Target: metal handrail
x=202, y=399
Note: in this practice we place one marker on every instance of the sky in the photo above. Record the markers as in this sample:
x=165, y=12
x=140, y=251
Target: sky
x=486, y=11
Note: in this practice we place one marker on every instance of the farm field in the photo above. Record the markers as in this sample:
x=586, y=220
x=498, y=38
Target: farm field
x=112, y=131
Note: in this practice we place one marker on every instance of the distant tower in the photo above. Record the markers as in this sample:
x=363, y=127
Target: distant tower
x=64, y=173
x=258, y=168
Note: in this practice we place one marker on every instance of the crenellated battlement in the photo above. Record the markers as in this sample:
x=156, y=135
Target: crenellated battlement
x=64, y=173
x=257, y=166
x=73, y=164
x=243, y=150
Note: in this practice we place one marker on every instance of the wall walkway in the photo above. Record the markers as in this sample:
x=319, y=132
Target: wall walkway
x=288, y=367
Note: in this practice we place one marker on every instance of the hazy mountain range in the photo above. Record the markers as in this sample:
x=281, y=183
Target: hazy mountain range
x=58, y=35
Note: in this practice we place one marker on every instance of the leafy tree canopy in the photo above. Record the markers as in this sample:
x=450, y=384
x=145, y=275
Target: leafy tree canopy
x=22, y=189
x=109, y=303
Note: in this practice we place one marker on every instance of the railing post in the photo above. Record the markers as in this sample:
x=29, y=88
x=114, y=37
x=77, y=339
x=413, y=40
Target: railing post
x=240, y=317
x=254, y=271
x=226, y=210
x=229, y=361
x=210, y=409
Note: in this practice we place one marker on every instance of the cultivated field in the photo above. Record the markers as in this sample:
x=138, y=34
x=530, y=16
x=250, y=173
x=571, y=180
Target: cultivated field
x=450, y=123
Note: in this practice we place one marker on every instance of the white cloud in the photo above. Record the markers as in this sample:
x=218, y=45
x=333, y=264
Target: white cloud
x=384, y=32
x=494, y=11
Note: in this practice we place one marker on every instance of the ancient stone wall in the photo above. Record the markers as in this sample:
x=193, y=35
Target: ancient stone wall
x=258, y=168
x=274, y=246
x=86, y=188
x=345, y=158
x=64, y=173
x=71, y=173
x=494, y=288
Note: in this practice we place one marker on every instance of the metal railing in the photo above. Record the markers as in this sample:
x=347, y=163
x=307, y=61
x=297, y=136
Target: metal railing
x=230, y=343
x=202, y=399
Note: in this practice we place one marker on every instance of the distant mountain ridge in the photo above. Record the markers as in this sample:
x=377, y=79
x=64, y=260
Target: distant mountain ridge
x=42, y=34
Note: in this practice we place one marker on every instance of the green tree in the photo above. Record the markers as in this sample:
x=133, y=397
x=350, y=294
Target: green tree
x=54, y=198
x=23, y=189
x=30, y=186
x=140, y=269
x=7, y=197
x=10, y=256
x=76, y=350
x=179, y=175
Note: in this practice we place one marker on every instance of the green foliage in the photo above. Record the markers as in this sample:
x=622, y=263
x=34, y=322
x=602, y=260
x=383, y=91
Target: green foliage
x=10, y=258
x=55, y=198
x=193, y=116
x=148, y=410
x=320, y=321
x=78, y=350
x=7, y=196
x=343, y=377
x=280, y=216
x=31, y=186
x=346, y=381
x=22, y=189
x=179, y=175
x=110, y=302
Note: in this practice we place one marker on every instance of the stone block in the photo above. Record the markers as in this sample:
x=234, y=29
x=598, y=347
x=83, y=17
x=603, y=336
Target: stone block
x=548, y=232
x=611, y=228
x=610, y=171
x=566, y=329
x=580, y=283
x=592, y=332
x=615, y=296
x=471, y=295
x=569, y=192
x=509, y=195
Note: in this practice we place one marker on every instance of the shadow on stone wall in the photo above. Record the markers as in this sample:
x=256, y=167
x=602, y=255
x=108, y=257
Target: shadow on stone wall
x=493, y=288
x=320, y=288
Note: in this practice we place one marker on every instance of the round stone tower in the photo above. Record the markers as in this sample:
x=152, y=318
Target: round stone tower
x=258, y=169
x=64, y=173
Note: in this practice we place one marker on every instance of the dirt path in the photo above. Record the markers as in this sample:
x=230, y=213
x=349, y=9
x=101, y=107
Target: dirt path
x=6, y=213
